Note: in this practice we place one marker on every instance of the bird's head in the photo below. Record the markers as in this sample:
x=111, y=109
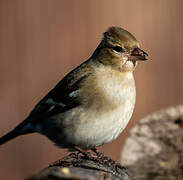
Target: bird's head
x=119, y=49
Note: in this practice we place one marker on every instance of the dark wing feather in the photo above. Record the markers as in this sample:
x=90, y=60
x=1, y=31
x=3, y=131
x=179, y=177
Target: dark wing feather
x=59, y=99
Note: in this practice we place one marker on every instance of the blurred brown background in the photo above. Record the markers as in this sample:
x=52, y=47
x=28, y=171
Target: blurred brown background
x=42, y=40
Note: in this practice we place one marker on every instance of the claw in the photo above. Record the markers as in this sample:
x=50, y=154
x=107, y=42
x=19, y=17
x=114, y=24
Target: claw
x=84, y=153
x=98, y=153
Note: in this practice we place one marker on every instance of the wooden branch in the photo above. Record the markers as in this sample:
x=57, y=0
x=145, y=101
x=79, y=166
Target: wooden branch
x=154, y=149
x=79, y=167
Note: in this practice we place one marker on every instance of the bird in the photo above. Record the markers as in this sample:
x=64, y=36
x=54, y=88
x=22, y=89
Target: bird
x=93, y=103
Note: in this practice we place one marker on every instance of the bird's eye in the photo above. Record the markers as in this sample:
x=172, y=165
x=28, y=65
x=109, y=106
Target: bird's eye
x=118, y=49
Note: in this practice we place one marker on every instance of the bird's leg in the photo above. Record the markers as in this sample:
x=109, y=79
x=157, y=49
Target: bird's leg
x=80, y=151
x=97, y=152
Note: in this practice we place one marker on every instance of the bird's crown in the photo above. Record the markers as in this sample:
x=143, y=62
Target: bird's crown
x=116, y=35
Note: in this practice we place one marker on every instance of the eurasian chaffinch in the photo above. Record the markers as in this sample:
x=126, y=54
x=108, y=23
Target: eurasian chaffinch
x=93, y=103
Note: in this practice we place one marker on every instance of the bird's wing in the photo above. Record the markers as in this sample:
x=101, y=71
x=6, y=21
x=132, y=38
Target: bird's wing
x=63, y=96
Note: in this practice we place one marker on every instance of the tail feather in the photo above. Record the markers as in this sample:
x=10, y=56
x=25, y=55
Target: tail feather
x=11, y=135
x=19, y=130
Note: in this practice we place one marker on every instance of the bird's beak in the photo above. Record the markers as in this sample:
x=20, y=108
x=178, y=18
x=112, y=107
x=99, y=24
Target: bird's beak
x=138, y=55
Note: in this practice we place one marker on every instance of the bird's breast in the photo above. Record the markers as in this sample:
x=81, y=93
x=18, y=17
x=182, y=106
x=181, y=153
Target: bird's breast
x=109, y=99
x=108, y=90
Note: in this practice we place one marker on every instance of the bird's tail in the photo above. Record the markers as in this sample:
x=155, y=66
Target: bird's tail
x=19, y=130
x=12, y=134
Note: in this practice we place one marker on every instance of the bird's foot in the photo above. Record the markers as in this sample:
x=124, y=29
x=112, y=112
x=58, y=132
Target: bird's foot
x=98, y=157
x=104, y=159
x=99, y=154
x=88, y=155
x=80, y=152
